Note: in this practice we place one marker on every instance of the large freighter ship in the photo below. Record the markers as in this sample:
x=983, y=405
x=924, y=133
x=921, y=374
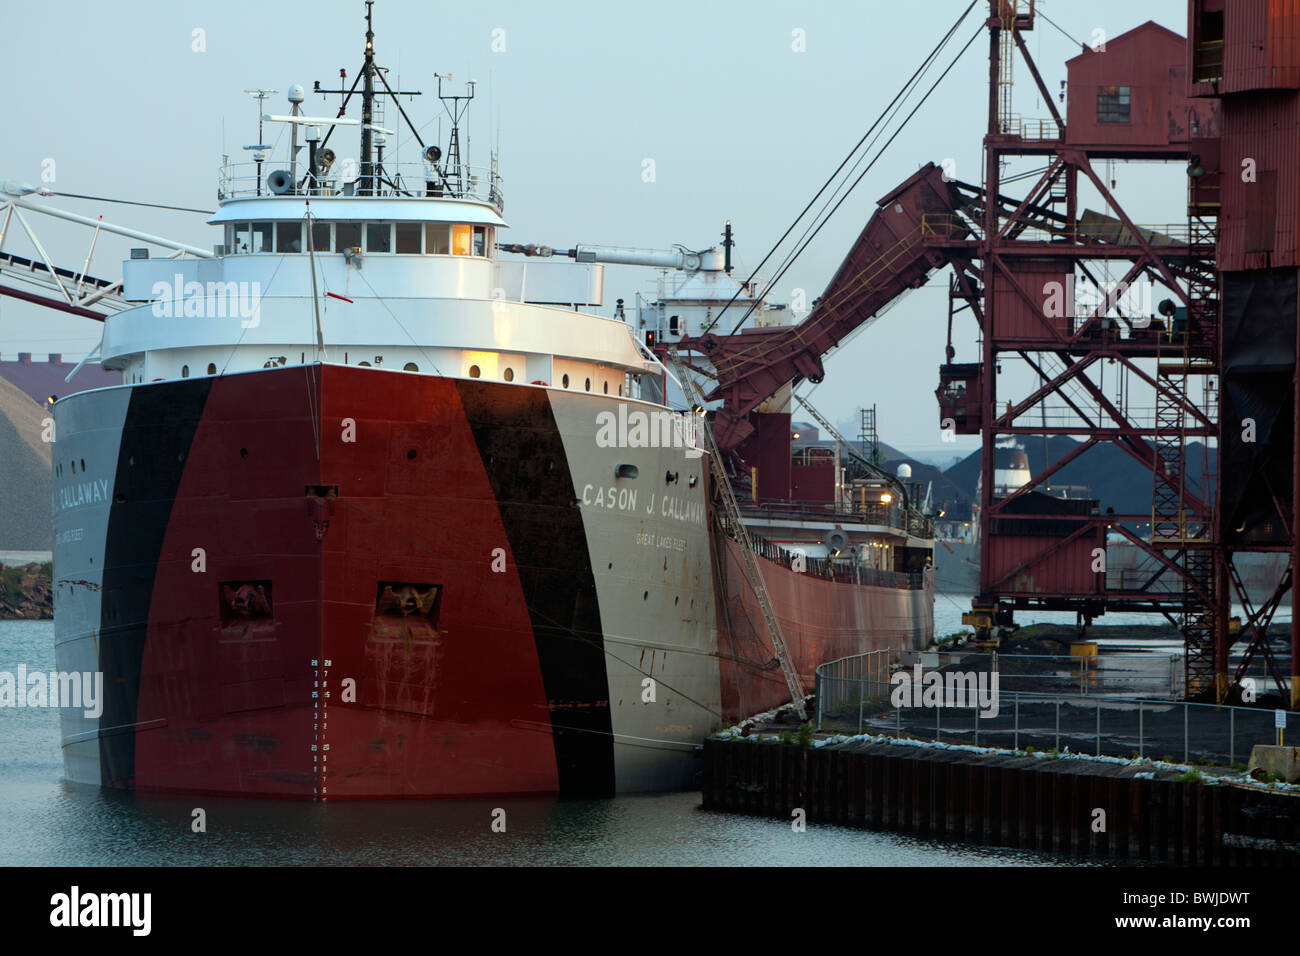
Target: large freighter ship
x=377, y=514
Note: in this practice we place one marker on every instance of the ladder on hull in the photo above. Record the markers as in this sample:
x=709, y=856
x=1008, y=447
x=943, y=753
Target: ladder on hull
x=737, y=525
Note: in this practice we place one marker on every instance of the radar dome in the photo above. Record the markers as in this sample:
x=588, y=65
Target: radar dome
x=904, y=471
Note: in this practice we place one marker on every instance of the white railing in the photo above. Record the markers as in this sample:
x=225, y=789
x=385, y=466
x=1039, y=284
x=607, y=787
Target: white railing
x=390, y=181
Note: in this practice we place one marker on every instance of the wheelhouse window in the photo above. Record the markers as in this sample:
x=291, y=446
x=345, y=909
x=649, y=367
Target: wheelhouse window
x=243, y=242
x=437, y=239
x=480, y=241
x=379, y=237
x=461, y=237
x=262, y=237
x=347, y=235
x=1113, y=104
x=288, y=237
x=408, y=238
x=320, y=236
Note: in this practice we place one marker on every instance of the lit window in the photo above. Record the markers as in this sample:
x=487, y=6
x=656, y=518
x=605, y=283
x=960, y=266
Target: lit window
x=408, y=238
x=461, y=237
x=474, y=371
x=1113, y=104
x=436, y=239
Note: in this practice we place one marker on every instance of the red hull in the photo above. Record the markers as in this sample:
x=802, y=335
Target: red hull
x=400, y=493
x=821, y=621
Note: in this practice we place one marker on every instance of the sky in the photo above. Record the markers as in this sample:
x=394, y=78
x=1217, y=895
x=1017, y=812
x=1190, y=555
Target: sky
x=744, y=107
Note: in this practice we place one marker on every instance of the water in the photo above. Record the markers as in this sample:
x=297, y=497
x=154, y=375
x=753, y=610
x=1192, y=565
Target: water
x=948, y=609
x=44, y=820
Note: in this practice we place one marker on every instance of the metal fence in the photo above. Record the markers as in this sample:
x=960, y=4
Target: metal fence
x=1086, y=710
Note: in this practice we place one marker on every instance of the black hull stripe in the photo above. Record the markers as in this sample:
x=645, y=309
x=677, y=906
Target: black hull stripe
x=160, y=424
x=523, y=455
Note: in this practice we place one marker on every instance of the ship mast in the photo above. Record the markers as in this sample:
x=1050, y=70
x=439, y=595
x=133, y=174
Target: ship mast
x=368, y=181
x=367, y=103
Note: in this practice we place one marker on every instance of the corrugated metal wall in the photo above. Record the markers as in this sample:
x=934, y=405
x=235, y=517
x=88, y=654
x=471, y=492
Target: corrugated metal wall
x=1066, y=571
x=1261, y=167
x=1048, y=283
x=1260, y=50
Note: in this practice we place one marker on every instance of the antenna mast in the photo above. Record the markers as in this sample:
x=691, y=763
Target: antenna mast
x=259, y=148
x=456, y=111
x=367, y=103
x=368, y=181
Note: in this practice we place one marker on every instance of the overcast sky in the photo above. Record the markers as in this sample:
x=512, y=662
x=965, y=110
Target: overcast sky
x=740, y=125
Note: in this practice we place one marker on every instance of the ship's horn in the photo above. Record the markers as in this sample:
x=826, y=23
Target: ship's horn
x=280, y=182
x=324, y=160
x=837, y=540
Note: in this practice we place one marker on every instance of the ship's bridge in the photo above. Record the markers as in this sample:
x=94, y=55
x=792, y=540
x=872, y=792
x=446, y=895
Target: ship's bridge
x=399, y=281
x=407, y=246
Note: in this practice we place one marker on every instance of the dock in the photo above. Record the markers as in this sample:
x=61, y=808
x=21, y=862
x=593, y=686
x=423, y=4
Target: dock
x=1112, y=810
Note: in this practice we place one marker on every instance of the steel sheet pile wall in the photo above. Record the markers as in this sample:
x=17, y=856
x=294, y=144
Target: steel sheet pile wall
x=1022, y=802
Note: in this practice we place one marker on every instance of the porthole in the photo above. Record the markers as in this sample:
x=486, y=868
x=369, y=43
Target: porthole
x=243, y=453
x=410, y=454
x=212, y=368
x=508, y=375
x=565, y=381
x=588, y=385
x=474, y=371
x=410, y=367
x=185, y=371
